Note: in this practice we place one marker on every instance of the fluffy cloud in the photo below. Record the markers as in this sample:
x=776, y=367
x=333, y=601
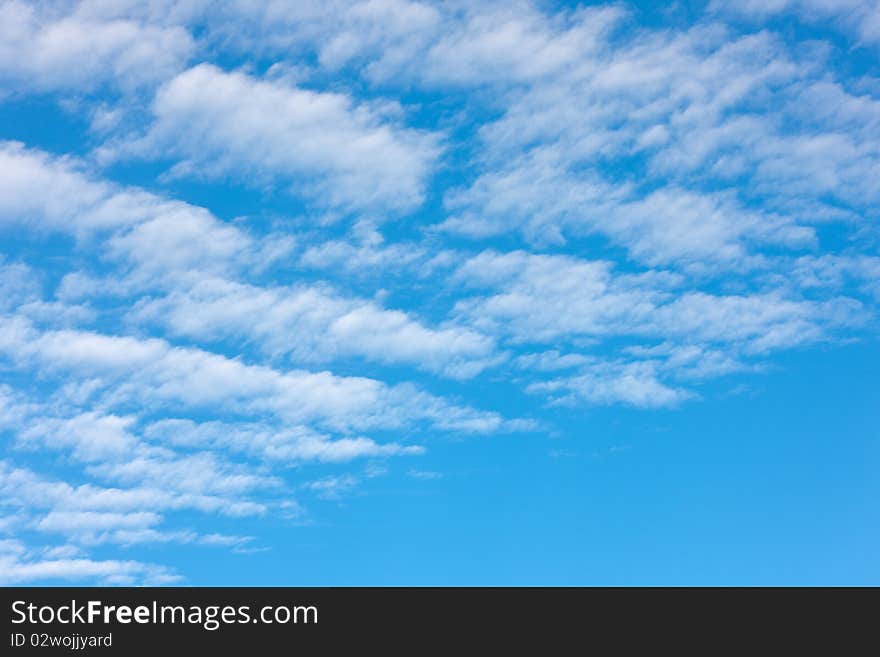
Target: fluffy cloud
x=682, y=147
x=29, y=490
x=156, y=238
x=542, y=298
x=152, y=370
x=633, y=383
x=89, y=515
x=314, y=324
x=668, y=332
x=62, y=47
x=341, y=154
x=143, y=231
x=26, y=566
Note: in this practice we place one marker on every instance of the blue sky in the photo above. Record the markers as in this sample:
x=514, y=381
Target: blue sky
x=392, y=292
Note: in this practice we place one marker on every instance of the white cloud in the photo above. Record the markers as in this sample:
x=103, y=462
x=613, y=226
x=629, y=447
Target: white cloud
x=540, y=197
x=511, y=42
x=550, y=361
x=90, y=521
x=90, y=436
x=635, y=384
x=18, y=570
x=55, y=193
x=760, y=322
x=153, y=235
x=158, y=239
x=441, y=43
x=338, y=32
x=18, y=285
x=341, y=154
x=857, y=18
x=832, y=272
x=151, y=370
x=314, y=324
x=365, y=253
x=546, y=297
x=691, y=361
x=105, y=385
x=543, y=297
x=332, y=488
x=88, y=514
x=424, y=474
x=662, y=330
x=291, y=444
x=28, y=490
x=54, y=47
x=694, y=146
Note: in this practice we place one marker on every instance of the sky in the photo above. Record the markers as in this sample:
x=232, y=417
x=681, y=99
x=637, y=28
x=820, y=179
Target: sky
x=389, y=292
